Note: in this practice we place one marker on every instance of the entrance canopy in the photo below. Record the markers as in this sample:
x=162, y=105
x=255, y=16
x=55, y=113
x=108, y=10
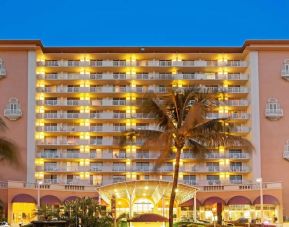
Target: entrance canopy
x=153, y=189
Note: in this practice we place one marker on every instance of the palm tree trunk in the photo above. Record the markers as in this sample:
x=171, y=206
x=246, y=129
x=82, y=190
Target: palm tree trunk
x=175, y=184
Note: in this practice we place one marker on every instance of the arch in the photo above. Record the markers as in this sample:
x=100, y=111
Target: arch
x=239, y=200
x=23, y=198
x=49, y=200
x=267, y=199
x=212, y=200
x=71, y=198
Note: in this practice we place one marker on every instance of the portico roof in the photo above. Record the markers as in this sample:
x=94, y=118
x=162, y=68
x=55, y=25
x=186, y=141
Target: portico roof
x=153, y=189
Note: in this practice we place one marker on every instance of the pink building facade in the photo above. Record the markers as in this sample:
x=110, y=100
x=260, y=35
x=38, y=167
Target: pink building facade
x=40, y=85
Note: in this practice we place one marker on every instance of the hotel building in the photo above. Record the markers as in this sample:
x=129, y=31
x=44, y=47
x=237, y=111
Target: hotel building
x=66, y=107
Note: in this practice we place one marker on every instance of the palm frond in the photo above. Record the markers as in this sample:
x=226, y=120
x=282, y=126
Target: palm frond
x=217, y=139
x=8, y=151
x=3, y=125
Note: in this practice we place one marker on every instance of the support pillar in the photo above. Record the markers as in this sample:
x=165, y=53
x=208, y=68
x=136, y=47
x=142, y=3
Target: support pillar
x=195, y=207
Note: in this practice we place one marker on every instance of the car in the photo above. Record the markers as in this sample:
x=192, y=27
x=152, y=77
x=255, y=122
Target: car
x=4, y=224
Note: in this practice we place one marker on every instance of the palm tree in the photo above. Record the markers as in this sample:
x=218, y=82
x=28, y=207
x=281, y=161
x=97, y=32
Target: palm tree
x=8, y=150
x=181, y=121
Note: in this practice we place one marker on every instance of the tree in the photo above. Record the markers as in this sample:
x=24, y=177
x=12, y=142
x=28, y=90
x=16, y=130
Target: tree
x=8, y=150
x=87, y=213
x=181, y=120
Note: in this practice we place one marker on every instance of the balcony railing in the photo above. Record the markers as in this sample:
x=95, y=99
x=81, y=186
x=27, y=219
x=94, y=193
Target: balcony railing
x=274, y=113
x=143, y=63
x=285, y=74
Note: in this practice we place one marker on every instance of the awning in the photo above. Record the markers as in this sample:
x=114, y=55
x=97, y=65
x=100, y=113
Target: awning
x=267, y=199
x=71, y=198
x=49, y=200
x=23, y=198
x=212, y=200
x=155, y=189
x=190, y=203
x=148, y=218
x=239, y=200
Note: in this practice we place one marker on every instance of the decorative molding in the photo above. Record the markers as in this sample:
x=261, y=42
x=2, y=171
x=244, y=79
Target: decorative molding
x=285, y=70
x=273, y=109
x=2, y=69
x=13, y=109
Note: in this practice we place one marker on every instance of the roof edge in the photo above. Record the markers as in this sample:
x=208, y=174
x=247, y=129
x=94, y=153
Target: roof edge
x=149, y=49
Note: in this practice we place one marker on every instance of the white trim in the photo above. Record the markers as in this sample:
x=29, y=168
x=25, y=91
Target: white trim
x=255, y=109
x=31, y=116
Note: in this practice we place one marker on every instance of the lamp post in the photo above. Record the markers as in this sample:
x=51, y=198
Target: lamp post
x=260, y=181
x=38, y=197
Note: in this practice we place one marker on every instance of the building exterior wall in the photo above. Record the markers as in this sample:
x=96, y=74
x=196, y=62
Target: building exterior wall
x=274, y=133
x=75, y=101
x=15, y=85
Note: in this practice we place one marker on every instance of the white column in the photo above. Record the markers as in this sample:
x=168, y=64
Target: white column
x=255, y=113
x=195, y=207
x=31, y=116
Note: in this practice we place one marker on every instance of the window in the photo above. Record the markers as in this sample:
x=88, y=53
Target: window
x=2, y=68
x=190, y=179
x=286, y=151
x=285, y=70
x=236, y=179
x=213, y=166
x=273, y=109
x=213, y=179
x=13, y=110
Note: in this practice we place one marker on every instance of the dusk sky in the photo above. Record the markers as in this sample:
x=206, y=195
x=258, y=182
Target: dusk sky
x=144, y=23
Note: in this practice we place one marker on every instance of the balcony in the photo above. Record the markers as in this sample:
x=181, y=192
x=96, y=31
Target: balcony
x=211, y=76
x=274, y=114
x=61, y=155
x=240, y=129
x=62, y=115
x=238, y=155
x=62, y=128
x=234, y=116
x=213, y=156
x=285, y=73
x=286, y=155
x=118, y=168
x=190, y=182
x=98, y=168
x=236, y=103
x=65, y=168
x=239, y=169
x=2, y=72
x=12, y=114
x=55, y=142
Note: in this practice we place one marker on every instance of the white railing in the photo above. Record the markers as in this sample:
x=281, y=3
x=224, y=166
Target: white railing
x=285, y=74
x=274, y=113
x=210, y=185
x=12, y=114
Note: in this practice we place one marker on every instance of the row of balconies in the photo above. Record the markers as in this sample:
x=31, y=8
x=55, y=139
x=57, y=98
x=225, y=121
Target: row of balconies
x=143, y=76
x=150, y=89
x=98, y=128
x=240, y=102
x=234, y=116
x=124, y=168
x=103, y=115
x=107, y=115
x=144, y=156
x=141, y=63
x=108, y=141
